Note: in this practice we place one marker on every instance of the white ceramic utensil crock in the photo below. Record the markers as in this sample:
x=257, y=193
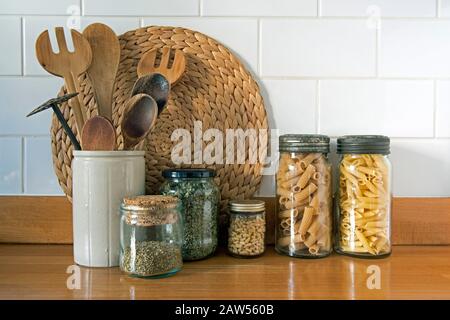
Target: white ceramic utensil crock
x=101, y=179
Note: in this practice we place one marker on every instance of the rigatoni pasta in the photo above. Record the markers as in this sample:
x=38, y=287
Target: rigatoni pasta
x=304, y=205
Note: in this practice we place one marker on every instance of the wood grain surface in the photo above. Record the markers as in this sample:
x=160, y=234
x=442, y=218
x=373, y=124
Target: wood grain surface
x=24, y=219
x=39, y=272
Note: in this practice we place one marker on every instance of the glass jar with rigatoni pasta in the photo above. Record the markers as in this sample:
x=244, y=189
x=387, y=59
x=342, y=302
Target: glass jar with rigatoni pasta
x=304, y=200
x=364, y=197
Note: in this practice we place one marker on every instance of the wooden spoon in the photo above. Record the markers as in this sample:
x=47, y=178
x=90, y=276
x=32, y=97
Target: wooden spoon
x=139, y=119
x=105, y=63
x=68, y=65
x=147, y=64
x=98, y=135
x=155, y=85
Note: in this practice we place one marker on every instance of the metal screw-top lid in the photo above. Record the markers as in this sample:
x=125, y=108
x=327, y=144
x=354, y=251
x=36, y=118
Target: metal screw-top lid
x=363, y=144
x=304, y=143
x=188, y=173
x=246, y=206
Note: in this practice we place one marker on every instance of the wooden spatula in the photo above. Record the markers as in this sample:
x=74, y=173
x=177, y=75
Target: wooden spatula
x=105, y=62
x=98, y=135
x=147, y=64
x=68, y=65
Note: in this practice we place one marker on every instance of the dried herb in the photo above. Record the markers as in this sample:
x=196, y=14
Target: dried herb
x=151, y=258
x=199, y=210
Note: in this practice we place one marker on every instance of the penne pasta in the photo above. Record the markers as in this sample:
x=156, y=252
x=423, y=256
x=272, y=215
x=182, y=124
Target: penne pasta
x=364, y=201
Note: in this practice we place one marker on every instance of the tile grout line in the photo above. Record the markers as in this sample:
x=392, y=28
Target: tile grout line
x=81, y=8
x=438, y=8
x=310, y=17
x=23, y=165
x=318, y=106
x=319, y=8
x=22, y=43
x=377, y=48
x=200, y=5
x=258, y=48
x=435, y=101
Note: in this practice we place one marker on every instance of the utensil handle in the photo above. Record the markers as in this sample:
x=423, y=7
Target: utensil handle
x=79, y=112
x=69, y=132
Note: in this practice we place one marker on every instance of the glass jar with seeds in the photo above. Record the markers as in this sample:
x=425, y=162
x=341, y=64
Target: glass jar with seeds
x=200, y=199
x=247, y=228
x=150, y=236
x=304, y=215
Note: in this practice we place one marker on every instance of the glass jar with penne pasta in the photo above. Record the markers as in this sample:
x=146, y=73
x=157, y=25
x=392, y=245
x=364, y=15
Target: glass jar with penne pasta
x=364, y=197
x=304, y=201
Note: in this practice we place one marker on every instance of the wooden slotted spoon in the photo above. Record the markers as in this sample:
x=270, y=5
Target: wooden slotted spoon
x=147, y=64
x=65, y=64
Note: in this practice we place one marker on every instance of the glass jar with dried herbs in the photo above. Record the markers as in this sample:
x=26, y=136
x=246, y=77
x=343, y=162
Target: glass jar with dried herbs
x=150, y=236
x=200, y=199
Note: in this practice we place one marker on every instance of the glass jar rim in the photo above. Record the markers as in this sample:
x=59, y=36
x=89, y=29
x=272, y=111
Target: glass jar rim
x=146, y=204
x=189, y=173
x=246, y=206
x=304, y=143
x=363, y=144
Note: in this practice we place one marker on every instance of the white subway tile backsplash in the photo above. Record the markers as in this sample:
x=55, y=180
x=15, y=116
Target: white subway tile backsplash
x=120, y=25
x=10, y=46
x=21, y=95
x=259, y=8
x=292, y=105
x=390, y=107
x=421, y=168
x=443, y=109
x=317, y=48
x=334, y=74
x=238, y=34
x=445, y=8
x=141, y=7
x=10, y=165
x=48, y=7
x=377, y=8
x=39, y=175
x=415, y=48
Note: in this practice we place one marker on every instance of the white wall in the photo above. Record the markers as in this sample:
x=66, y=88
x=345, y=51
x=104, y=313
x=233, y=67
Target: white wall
x=325, y=66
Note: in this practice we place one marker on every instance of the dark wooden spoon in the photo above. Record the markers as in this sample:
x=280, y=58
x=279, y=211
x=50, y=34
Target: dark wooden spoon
x=139, y=119
x=155, y=85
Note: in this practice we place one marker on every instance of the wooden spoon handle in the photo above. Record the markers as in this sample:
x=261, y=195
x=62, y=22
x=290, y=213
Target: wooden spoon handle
x=78, y=111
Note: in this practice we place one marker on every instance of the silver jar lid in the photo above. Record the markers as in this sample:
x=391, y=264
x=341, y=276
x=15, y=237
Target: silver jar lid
x=304, y=143
x=246, y=206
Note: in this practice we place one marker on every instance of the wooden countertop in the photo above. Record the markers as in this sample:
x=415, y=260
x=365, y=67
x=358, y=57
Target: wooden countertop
x=412, y=272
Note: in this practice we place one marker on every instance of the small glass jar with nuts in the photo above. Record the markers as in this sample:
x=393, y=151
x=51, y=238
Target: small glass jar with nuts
x=247, y=228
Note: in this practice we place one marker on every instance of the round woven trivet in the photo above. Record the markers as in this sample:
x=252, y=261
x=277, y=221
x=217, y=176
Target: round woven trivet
x=215, y=89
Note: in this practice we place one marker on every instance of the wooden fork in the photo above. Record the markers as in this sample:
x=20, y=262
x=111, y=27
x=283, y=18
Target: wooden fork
x=65, y=64
x=147, y=64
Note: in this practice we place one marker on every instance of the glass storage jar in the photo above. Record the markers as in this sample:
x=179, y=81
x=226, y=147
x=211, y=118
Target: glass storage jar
x=304, y=200
x=150, y=236
x=247, y=228
x=364, y=196
x=200, y=199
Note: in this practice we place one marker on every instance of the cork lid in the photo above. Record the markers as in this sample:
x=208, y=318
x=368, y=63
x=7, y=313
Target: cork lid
x=149, y=202
x=150, y=210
